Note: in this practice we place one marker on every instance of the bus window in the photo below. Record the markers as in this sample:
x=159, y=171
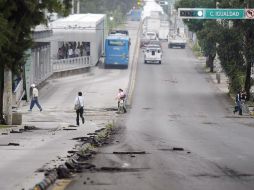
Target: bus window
x=116, y=43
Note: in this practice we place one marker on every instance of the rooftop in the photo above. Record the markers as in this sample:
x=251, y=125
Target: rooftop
x=78, y=21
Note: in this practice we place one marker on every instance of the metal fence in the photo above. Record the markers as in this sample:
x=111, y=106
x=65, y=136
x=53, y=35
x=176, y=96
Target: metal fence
x=18, y=93
x=71, y=63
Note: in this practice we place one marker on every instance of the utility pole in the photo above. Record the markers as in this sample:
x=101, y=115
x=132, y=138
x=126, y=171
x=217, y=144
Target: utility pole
x=78, y=6
x=72, y=7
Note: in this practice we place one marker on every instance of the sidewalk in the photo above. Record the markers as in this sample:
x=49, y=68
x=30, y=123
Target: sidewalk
x=220, y=80
x=48, y=144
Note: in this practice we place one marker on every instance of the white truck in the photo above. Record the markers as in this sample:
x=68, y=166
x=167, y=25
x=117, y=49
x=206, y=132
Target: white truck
x=164, y=30
x=151, y=23
x=176, y=41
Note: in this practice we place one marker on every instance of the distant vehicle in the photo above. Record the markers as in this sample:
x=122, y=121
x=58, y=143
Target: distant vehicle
x=134, y=15
x=146, y=38
x=117, y=51
x=151, y=35
x=152, y=23
x=124, y=32
x=152, y=54
x=144, y=42
x=153, y=43
x=164, y=30
x=176, y=41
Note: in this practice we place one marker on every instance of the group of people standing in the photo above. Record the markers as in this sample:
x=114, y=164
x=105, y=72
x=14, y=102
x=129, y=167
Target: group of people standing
x=240, y=100
x=73, y=49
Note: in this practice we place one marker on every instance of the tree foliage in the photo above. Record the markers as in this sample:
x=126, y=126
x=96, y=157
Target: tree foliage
x=203, y=28
x=105, y=6
x=17, y=19
x=115, y=8
x=234, y=39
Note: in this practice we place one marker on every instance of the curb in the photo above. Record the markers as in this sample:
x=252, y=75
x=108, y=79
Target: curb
x=48, y=181
x=131, y=84
x=73, y=164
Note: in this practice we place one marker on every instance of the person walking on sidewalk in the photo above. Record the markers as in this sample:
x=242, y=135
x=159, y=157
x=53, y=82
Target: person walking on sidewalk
x=79, y=107
x=35, y=95
x=238, y=107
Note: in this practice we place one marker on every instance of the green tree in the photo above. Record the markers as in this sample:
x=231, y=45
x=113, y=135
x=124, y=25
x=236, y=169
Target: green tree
x=231, y=56
x=203, y=28
x=17, y=18
x=113, y=8
x=207, y=39
x=244, y=35
x=105, y=6
x=235, y=40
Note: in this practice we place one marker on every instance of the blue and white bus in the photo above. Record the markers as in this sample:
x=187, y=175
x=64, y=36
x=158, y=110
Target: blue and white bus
x=117, y=51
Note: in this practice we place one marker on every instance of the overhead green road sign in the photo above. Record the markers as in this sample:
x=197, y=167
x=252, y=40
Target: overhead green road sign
x=203, y=13
x=224, y=13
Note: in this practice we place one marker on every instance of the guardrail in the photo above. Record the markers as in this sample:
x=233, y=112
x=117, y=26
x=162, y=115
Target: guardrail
x=18, y=93
x=71, y=63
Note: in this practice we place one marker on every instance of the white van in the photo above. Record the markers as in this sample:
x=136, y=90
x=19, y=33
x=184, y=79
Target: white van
x=152, y=54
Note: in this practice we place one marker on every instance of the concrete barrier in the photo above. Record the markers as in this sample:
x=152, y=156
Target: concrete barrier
x=16, y=118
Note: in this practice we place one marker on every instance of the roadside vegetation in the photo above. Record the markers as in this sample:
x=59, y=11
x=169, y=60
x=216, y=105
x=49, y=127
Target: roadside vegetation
x=17, y=19
x=116, y=9
x=232, y=40
x=3, y=126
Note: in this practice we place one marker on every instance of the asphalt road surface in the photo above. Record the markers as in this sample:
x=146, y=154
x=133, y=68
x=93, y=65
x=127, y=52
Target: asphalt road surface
x=186, y=127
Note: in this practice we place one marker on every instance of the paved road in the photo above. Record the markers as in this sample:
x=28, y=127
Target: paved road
x=48, y=146
x=176, y=105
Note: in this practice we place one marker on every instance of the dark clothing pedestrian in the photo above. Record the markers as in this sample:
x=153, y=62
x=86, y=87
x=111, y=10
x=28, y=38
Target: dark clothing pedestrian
x=80, y=113
x=238, y=107
x=79, y=107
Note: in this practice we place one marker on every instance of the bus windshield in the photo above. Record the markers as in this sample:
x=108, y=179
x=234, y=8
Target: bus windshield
x=116, y=43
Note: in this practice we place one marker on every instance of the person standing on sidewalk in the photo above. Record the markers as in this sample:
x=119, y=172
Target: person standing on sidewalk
x=121, y=96
x=238, y=107
x=79, y=107
x=35, y=95
x=245, y=108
